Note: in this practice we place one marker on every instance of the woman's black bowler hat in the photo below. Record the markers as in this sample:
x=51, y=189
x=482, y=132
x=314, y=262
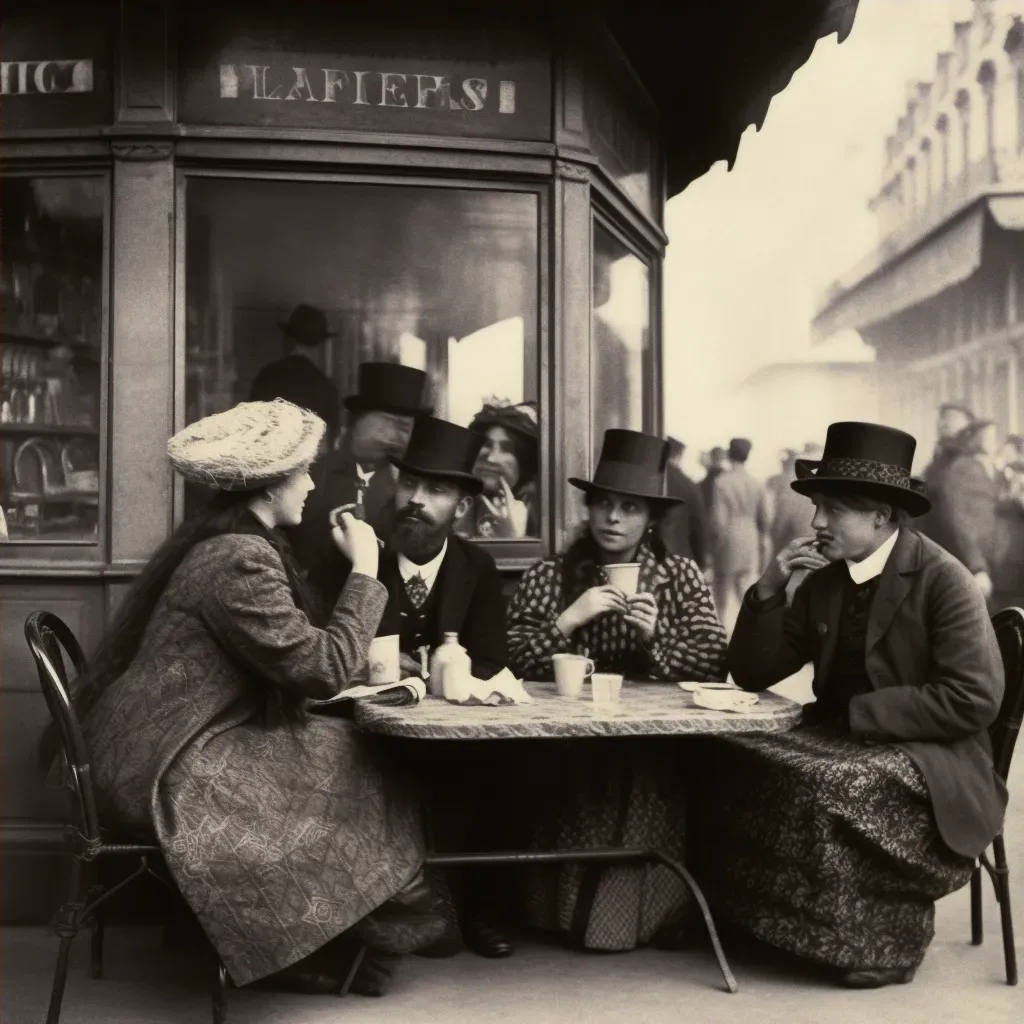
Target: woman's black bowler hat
x=389, y=387
x=442, y=450
x=631, y=463
x=865, y=458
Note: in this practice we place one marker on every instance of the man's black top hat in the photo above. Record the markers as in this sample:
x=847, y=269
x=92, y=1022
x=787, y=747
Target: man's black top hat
x=865, y=458
x=307, y=325
x=389, y=387
x=442, y=450
x=631, y=463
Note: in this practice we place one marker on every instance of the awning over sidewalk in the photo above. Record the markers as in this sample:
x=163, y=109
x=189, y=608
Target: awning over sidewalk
x=713, y=68
x=943, y=261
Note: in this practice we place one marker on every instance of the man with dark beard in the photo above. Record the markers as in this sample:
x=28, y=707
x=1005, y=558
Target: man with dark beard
x=380, y=417
x=438, y=583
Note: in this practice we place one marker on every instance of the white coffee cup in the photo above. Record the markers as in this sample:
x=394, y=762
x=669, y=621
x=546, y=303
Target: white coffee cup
x=625, y=576
x=605, y=687
x=570, y=672
x=385, y=660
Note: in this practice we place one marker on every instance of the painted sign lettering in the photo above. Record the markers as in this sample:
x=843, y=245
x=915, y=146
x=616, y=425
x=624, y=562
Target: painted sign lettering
x=45, y=77
x=362, y=88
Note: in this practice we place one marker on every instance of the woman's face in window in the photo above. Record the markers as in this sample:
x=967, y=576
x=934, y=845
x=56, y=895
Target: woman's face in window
x=618, y=522
x=497, y=460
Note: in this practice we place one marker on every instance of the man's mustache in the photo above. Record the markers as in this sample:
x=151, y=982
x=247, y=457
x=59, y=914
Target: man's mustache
x=411, y=513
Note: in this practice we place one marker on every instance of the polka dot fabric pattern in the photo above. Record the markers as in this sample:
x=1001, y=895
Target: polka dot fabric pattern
x=689, y=642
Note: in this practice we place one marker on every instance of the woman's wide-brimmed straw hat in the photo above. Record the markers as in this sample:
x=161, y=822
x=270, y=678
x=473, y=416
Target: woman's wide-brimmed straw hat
x=248, y=446
x=631, y=463
x=865, y=458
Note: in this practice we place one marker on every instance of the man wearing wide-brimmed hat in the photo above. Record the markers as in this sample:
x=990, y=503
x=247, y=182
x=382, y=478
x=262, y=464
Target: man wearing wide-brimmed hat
x=853, y=825
x=360, y=473
x=296, y=378
x=438, y=583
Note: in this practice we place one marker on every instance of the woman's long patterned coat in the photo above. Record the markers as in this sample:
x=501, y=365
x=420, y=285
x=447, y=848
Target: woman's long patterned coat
x=282, y=837
x=689, y=642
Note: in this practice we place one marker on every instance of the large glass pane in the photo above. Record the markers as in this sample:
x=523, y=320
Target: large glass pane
x=51, y=294
x=441, y=279
x=621, y=335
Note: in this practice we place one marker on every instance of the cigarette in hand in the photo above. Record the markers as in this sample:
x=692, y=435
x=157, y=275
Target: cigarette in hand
x=340, y=511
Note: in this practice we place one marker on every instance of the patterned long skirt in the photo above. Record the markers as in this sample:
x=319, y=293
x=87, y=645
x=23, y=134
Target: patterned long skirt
x=823, y=847
x=628, y=793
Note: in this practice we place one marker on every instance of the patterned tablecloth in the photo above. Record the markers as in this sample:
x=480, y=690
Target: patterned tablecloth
x=646, y=709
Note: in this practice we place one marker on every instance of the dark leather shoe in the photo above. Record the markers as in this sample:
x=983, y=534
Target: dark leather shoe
x=877, y=977
x=487, y=940
x=305, y=981
x=392, y=928
x=418, y=897
x=374, y=974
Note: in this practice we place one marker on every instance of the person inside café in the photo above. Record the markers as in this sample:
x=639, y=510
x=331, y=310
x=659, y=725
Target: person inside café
x=624, y=793
x=296, y=377
x=291, y=836
x=379, y=420
x=834, y=840
x=507, y=467
x=438, y=583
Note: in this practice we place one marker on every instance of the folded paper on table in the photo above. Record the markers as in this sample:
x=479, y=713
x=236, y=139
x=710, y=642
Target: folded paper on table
x=408, y=691
x=501, y=689
x=720, y=700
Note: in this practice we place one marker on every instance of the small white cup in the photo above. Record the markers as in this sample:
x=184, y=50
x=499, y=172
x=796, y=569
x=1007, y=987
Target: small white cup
x=385, y=660
x=625, y=576
x=605, y=687
x=570, y=672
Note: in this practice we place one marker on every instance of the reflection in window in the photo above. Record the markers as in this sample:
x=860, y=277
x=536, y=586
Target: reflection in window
x=621, y=335
x=441, y=279
x=51, y=286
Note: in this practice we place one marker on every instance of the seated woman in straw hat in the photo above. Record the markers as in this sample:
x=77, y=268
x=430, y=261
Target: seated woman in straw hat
x=834, y=840
x=283, y=830
x=626, y=793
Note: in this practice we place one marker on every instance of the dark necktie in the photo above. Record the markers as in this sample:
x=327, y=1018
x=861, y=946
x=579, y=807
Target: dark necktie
x=417, y=590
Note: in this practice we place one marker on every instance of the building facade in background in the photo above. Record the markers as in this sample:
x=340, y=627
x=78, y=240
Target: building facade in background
x=941, y=298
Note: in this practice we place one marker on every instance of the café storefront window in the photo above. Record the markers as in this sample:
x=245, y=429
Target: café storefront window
x=51, y=292
x=621, y=334
x=441, y=278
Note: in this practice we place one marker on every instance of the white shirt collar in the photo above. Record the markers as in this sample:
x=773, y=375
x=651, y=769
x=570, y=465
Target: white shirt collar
x=365, y=475
x=872, y=566
x=428, y=572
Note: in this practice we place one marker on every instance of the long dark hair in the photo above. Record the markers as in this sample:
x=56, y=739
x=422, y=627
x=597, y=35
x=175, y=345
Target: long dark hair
x=580, y=567
x=226, y=512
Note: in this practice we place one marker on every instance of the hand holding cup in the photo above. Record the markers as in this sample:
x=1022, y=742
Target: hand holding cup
x=642, y=614
x=589, y=605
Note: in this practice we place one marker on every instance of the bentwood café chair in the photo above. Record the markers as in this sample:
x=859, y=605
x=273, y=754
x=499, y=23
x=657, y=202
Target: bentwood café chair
x=89, y=843
x=1009, y=628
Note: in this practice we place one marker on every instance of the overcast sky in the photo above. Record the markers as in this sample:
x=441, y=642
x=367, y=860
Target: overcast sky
x=752, y=249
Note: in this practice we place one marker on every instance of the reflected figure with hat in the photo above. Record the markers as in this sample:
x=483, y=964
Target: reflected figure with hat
x=439, y=583
x=740, y=530
x=569, y=604
x=360, y=473
x=507, y=467
x=296, y=378
x=848, y=828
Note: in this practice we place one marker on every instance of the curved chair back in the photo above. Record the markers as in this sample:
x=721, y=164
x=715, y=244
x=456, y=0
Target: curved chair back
x=1009, y=627
x=47, y=636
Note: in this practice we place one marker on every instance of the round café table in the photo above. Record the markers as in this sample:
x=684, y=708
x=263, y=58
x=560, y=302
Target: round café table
x=644, y=709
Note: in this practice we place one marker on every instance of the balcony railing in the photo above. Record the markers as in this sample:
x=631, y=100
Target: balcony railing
x=997, y=169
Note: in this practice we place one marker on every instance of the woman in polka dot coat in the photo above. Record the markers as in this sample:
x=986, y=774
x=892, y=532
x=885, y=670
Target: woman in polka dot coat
x=614, y=792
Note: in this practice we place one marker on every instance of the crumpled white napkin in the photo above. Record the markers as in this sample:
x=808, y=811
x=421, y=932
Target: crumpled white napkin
x=724, y=700
x=503, y=688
